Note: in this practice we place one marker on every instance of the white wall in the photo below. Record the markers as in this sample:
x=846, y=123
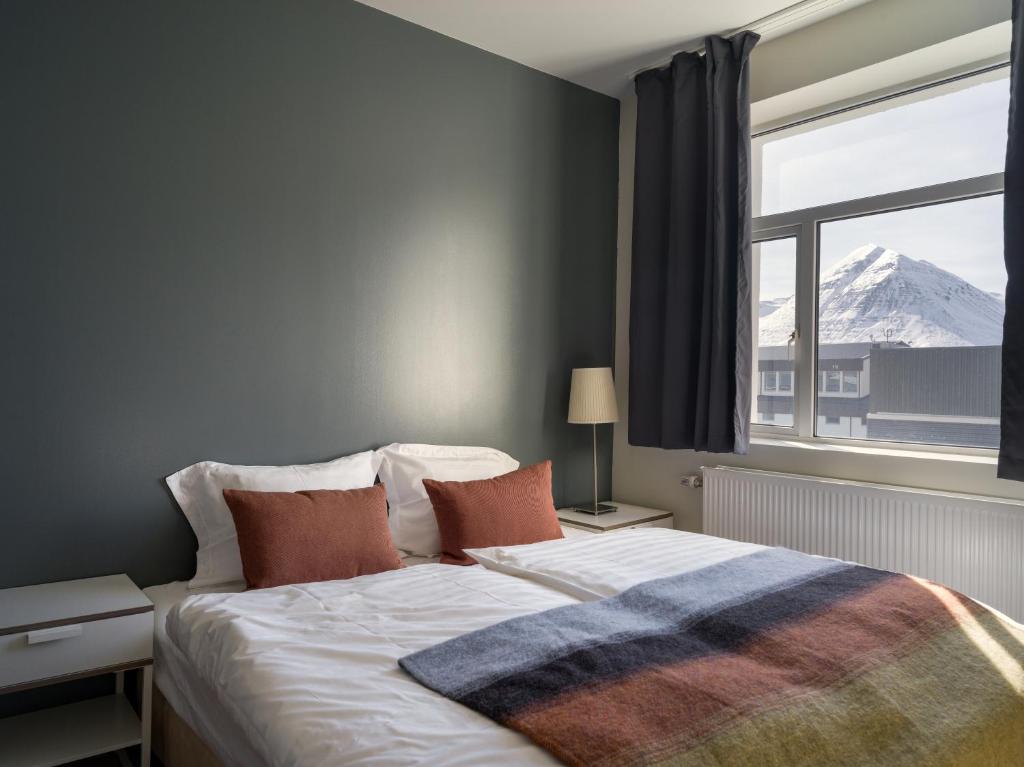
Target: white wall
x=841, y=49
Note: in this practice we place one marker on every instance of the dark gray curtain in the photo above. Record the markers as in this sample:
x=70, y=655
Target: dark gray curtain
x=1011, y=448
x=689, y=319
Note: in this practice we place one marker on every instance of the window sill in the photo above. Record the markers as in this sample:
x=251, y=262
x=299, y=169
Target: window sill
x=917, y=452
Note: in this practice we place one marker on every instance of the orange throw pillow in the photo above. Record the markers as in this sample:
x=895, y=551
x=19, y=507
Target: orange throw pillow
x=313, y=535
x=505, y=511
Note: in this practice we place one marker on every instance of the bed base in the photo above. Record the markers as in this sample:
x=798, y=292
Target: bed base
x=174, y=742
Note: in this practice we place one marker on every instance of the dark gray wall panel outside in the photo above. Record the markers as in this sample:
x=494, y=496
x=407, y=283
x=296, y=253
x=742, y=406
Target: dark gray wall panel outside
x=274, y=232
x=909, y=380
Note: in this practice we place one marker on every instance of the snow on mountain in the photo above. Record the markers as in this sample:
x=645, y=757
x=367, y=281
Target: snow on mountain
x=874, y=290
x=770, y=305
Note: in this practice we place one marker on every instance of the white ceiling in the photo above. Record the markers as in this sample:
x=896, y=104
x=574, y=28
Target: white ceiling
x=599, y=44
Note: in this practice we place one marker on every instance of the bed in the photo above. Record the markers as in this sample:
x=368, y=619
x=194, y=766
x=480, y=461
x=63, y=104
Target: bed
x=309, y=674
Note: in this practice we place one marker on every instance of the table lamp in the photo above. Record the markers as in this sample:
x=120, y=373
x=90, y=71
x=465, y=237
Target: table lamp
x=592, y=401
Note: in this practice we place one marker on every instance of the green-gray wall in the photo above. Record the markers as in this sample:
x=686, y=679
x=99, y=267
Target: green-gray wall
x=273, y=232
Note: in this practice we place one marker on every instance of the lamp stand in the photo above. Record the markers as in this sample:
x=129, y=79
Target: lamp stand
x=597, y=508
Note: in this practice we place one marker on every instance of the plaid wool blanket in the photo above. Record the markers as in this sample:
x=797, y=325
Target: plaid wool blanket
x=774, y=658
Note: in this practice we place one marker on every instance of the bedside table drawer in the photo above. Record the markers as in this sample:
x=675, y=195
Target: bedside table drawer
x=28, y=657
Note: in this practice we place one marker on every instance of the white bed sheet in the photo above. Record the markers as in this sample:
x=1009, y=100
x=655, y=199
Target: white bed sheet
x=598, y=566
x=309, y=673
x=183, y=689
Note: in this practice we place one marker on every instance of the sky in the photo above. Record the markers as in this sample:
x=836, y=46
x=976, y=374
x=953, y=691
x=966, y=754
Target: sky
x=943, y=137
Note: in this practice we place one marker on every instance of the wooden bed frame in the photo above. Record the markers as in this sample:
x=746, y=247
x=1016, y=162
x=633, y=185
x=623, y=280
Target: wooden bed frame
x=174, y=742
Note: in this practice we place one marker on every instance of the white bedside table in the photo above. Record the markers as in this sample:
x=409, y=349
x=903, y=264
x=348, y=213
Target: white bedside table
x=626, y=518
x=56, y=632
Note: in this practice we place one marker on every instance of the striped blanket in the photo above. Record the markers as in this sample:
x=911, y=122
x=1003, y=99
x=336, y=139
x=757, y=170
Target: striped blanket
x=774, y=658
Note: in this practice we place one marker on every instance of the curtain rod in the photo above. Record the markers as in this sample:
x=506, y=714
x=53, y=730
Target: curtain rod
x=765, y=26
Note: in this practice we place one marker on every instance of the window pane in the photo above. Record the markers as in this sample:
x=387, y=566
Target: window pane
x=946, y=133
x=774, y=320
x=910, y=316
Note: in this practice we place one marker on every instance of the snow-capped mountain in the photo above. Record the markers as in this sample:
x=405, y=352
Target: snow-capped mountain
x=874, y=290
x=770, y=305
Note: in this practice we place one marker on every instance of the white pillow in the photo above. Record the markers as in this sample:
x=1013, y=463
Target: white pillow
x=198, y=490
x=403, y=469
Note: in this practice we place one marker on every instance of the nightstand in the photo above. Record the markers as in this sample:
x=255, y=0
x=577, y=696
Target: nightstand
x=56, y=632
x=626, y=518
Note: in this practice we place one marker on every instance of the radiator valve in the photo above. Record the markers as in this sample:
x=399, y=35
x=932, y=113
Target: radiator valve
x=693, y=481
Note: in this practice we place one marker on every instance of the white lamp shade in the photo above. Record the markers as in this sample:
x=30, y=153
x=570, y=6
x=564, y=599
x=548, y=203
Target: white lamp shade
x=592, y=396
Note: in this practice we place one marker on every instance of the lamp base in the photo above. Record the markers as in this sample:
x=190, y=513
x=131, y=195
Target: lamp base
x=589, y=508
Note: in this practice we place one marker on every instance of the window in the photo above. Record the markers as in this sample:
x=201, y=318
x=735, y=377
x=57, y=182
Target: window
x=886, y=147
x=774, y=261
x=833, y=378
x=879, y=236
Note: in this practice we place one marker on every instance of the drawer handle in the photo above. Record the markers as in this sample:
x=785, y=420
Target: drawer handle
x=52, y=635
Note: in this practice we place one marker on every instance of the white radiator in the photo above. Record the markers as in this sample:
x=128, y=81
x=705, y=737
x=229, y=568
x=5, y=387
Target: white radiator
x=972, y=544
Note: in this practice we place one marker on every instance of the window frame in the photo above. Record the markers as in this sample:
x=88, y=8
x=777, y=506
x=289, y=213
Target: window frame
x=805, y=226
x=768, y=234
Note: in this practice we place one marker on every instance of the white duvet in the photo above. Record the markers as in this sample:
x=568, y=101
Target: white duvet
x=310, y=672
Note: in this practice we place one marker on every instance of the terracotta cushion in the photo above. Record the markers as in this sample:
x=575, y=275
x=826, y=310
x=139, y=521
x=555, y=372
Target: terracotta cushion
x=312, y=535
x=507, y=510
